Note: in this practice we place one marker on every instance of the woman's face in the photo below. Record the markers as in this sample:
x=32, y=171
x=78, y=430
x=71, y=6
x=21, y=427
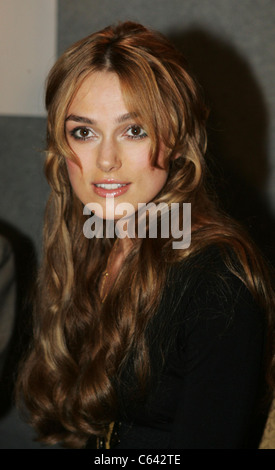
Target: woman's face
x=112, y=147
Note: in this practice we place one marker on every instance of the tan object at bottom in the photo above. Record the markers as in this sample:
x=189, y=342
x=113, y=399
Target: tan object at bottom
x=268, y=439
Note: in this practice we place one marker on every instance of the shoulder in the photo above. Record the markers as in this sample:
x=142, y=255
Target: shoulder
x=215, y=313
x=203, y=289
x=207, y=314
x=206, y=270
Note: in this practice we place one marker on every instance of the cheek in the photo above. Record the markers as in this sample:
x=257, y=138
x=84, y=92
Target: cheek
x=158, y=179
x=72, y=167
x=155, y=177
x=141, y=157
x=74, y=172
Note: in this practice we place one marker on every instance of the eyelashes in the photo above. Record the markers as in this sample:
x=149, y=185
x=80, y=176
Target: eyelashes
x=84, y=133
x=138, y=132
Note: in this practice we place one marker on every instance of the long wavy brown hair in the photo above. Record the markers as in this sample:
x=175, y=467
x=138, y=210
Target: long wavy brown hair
x=80, y=345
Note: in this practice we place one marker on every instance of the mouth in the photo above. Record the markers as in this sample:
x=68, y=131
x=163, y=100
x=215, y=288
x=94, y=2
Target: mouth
x=110, y=185
x=110, y=189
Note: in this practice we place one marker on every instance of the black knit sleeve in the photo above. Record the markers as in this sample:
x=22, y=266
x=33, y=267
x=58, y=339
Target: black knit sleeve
x=220, y=350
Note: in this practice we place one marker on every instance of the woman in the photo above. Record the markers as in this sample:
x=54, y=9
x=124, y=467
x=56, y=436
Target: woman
x=138, y=344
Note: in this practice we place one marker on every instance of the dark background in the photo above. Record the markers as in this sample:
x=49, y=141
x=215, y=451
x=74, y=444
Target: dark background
x=230, y=47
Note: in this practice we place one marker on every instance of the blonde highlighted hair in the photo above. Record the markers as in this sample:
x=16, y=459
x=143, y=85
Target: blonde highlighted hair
x=68, y=379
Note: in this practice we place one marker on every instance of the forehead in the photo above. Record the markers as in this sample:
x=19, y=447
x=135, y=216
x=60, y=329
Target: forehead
x=103, y=97
x=99, y=91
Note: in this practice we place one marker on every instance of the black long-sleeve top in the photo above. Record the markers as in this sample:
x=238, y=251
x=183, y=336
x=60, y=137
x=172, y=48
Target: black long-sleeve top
x=206, y=347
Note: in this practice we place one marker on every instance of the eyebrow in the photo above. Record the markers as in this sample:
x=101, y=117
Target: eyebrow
x=86, y=120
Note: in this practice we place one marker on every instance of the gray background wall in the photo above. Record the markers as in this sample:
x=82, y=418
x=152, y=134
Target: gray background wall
x=230, y=45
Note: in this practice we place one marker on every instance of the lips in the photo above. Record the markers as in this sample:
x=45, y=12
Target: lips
x=110, y=188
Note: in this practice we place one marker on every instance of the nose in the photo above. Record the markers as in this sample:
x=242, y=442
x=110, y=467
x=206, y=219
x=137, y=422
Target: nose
x=108, y=156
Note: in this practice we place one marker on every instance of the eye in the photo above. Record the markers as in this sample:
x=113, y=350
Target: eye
x=82, y=133
x=135, y=132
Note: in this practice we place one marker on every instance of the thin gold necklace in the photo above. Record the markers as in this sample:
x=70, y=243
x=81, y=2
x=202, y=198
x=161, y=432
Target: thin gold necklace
x=105, y=273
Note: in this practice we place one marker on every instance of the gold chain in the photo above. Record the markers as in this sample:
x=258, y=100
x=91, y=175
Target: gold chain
x=105, y=442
